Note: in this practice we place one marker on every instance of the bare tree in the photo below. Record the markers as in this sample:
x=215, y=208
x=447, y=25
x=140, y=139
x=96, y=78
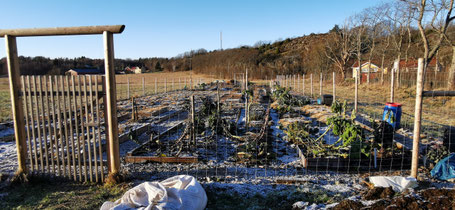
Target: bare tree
x=359, y=29
x=340, y=48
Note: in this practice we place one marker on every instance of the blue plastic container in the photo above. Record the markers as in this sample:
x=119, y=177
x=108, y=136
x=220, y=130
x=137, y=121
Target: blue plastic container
x=392, y=114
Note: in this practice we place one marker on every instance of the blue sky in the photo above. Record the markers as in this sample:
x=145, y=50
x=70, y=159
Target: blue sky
x=167, y=28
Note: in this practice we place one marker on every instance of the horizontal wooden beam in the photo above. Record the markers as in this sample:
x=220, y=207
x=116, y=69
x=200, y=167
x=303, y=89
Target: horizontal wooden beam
x=62, y=31
x=438, y=93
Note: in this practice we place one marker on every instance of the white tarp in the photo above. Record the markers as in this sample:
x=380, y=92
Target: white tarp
x=178, y=192
x=398, y=183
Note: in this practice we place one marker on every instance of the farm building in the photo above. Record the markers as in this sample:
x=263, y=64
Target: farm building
x=134, y=70
x=411, y=65
x=83, y=71
x=375, y=71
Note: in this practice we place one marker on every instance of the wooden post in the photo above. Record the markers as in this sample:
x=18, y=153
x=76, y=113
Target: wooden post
x=128, y=87
x=320, y=84
x=246, y=101
x=143, y=86
x=156, y=85
x=392, y=81
x=303, y=84
x=417, y=118
x=16, y=104
x=193, y=132
x=334, y=86
x=111, y=104
x=356, y=92
x=311, y=83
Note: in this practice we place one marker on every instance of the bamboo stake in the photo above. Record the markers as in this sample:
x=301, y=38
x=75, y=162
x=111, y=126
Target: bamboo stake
x=87, y=132
x=76, y=123
x=43, y=122
x=16, y=104
x=71, y=129
x=84, y=155
x=98, y=123
x=54, y=124
x=38, y=127
x=417, y=118
x=27, y=125
x=60, y=127
x=92, y=119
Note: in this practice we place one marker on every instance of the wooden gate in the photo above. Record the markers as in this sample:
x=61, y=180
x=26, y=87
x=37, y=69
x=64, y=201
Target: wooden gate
x=65, y=126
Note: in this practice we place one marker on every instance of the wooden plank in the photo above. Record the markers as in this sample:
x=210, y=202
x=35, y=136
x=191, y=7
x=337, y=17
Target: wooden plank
x=60, y=127
x=54, y=115
x=27, y=125
x=92, y=119
x=37, y=118
x=98, y=121
x=144, y=159
x=87, y=130
x=16, y=104
x=43, y=123
x=59, y=31
x=76, y=128
x=42, y=93
x=82, y=138
x=48, y=119
x=65, y=126
x=71, y=128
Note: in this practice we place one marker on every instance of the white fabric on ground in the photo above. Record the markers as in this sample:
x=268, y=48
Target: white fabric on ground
x=178, y=192
x=398, y=183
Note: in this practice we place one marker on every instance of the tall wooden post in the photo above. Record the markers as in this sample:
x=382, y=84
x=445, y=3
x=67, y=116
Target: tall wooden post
x=417, y=118
x=128, y=87
x=156, y=85
x=392, y=80
x=193, y=132
x=334, y=86
x=246, y=101
x=111, y=104
x=320, y=84
x=356, y=92
x=143, y=86
x=303, y=84
x=311, y=83
x=16, y=104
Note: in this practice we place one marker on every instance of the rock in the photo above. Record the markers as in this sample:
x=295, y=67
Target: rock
x=299, y=205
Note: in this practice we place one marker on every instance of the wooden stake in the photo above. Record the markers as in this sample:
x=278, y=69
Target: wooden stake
x=193, y=112
x=143, y=86
x=311, y=84
x=128, y=87
x=27, y=125
x=76, y=123
x=156, y=85
x=16, y=104
x=334, y=86
x=417, y=117
x=320, y=84
x=356, y=92
x=111, y=103
x=303, y=84
x=392, y=81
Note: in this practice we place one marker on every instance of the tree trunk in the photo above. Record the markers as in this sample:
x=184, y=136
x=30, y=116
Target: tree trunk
x=451, y=79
